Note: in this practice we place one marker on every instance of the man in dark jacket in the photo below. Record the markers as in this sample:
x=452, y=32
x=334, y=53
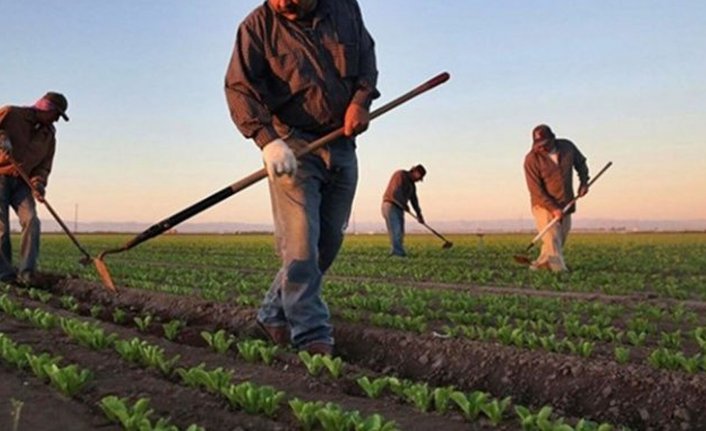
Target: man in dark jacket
x=548, y=170
x=301, y=69
x=31, y=138
x=400, y=190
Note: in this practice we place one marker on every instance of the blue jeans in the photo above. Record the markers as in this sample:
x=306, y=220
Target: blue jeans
x=310, y=212
x=16, y=194
x=394, y=220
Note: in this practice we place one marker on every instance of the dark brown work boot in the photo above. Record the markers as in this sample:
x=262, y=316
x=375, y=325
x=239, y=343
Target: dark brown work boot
x=319, y=348
x=278, y=335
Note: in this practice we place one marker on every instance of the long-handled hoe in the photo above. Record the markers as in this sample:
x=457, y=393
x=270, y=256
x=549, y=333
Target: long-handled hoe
x=101, y=268
x=256, y=176
x=523, y=258
x=446, y=244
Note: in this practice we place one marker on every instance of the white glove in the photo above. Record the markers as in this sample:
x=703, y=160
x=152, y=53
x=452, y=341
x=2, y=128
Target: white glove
x=279, y=159
x=5, y=144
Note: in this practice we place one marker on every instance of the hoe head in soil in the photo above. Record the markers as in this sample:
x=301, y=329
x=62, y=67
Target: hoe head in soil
x=102, y=270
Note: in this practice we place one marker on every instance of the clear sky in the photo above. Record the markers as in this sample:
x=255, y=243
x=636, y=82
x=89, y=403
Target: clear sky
x=150, y=132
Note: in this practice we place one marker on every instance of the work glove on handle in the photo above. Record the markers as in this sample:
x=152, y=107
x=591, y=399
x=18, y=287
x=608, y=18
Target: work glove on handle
x=420, y=218
x=279, y=159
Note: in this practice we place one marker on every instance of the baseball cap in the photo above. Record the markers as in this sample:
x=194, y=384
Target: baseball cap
x=53, y=100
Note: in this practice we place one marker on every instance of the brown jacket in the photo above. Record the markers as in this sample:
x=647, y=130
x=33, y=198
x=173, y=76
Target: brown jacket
x=287, y=75
x=550, y=184
x=33, y=144
x=400, y=190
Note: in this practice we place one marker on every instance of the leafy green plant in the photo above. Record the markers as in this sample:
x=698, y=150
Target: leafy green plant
x=7, y=305
x=119, y=316
x=470, y=405
x=420, y=395
x=172, y=329
x=69, y=379
x=315, y=363
x=219, y=341
x=214, y=381
x=254, y=399
x=87, y=334
x=622, y=354
x=442, y=397
x=333, y=418
x=40, y=295
x=96, y=311
x=137, y=416
x=69, y=302
x=305, y=412
x=146, y=354
x=143, y=322
x=40, y=318
x=374, y=388
x=495, y=409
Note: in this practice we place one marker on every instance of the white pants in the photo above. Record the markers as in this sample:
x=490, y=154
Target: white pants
x=552, y=254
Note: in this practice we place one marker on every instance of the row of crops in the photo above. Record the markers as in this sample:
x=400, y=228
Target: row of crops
x=632, y=302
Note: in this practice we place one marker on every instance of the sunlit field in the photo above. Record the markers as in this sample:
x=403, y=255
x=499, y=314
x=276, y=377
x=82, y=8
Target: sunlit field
x=453, y=339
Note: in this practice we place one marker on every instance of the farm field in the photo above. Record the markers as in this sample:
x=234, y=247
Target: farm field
x=454, y=339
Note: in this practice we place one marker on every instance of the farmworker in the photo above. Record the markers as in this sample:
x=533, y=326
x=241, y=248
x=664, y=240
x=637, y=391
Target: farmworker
x=301, y=69
x=400, y=190
x=30, y=139
x=548, y=171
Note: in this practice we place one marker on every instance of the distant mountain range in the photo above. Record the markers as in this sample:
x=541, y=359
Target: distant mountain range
x=460, y=226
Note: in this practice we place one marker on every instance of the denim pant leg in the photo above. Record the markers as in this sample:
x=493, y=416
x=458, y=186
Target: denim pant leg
x=6, y=185
x=394, y=220
x=25, y=206
x=337, y=199
x=295, y=294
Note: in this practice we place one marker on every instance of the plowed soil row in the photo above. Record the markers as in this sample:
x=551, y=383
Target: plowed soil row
x=634, y=395
x=114, y=376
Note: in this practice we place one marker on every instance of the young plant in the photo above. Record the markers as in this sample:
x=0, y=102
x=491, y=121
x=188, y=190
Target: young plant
x=254, y=399
x=119, y=316
x=214, y=381
x=470, y=405
x=69, y=379
x=131, y=418
x=374, y=388
x=87, y=334
x=622, y=354
x=96, y=310
x=305, y=412
x=420, y=395
x=143, y=322
x=171, y=329
x=69, y=302
x=495, y=409
x=219, y=341
x=40, y=295
x=40, y=318
x=38, y=362
x=441, y=397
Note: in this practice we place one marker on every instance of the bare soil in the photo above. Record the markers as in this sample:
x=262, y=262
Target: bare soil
x=633, y=395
